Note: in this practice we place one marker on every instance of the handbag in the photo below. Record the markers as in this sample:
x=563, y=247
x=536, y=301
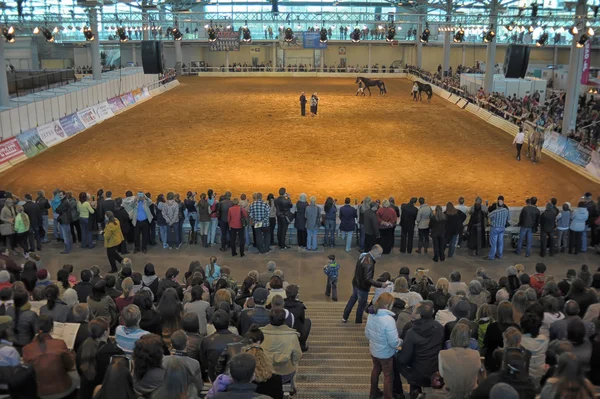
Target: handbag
x=7, y=229
x=243, y=219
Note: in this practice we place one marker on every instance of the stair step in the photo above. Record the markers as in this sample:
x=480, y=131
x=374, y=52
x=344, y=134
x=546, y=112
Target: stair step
x=349, y=380
x=334, y=363
x=317, y=394
x=341, y=352
x=313, y=343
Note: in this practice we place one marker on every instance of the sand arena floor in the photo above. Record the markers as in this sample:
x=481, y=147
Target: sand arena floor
x=246, y=135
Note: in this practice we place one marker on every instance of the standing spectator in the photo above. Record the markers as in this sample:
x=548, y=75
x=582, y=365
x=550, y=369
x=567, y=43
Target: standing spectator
x=123, y=217
x=141, y=217
x=423, y=216
x=213, y=345
x=148, y=374
x=105, y=204
x=272, y=217
x=386, y=221
x=498, y=218
x=53, y=363
x=418, y=359
x=529, y=219
x=214, y=217
x=330, y=212
x=189, y=204
x=371, y=227
x=237, y=220
x=44, y=206
x=577, y=229
x=547, y=225
x=437, y=225
x=85, y=215
x=313, y=223
x=383, y=344
x=459, y=366
x=454, y=227
x=302, y=104
x=408, y=217
x=203, y=219
x=113, y=237
x=347, y=222
x=362, y=283
x=366, y=204
x=35, y=223
x=259, y=215
x=563, y=219
x=22, y=227
x=283, y=205
x=331, y=270
x=74, y=225
x=170, y=212
x=476, y=230
x=300, y=219
x=223, y=210
x=7, y=224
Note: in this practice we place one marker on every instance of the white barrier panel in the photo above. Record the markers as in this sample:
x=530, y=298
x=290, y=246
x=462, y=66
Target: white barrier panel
x=51, y=133
x=32, y=115
x=62, y=106
x=462, y=103
x=453, y=98
x=483, y=114
x=88, y=117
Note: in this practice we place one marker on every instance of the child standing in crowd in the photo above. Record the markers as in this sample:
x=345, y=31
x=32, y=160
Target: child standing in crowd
x=332, y=270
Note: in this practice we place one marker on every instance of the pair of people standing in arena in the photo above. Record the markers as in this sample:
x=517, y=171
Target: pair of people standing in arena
x=314, y=104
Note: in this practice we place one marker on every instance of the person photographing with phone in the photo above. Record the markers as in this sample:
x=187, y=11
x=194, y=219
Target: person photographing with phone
x=141, y=217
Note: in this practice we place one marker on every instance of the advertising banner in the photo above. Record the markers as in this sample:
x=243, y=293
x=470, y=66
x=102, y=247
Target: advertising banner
x=115, y=104
x=312, y=40
x=9, y=149
x=555, y=142
x=88, y=117
x=51, y=133
x=137, y=95
x=593, y=168
x=226, y=41
x=103, y=111
x=145, y=93
x=127, y=99
x=71, y=124
x=587, y=60
x=31, y=143
x=575, y=153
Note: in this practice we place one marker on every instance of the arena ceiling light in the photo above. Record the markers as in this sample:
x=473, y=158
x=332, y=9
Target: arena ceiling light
x=459, y=36
x=489, y=36
x=88, y=34
x=391, y=33
x=9, y=34
x=425, y=34
x=177, y=35
x=122, y=35
x=246, y=34
x=574, y=30
x=288, y=35
x=582, y=40
x=212, y=34
x=355, y=35
x=542, y=40
x=590, y=31
x=47, y=34
x=323, y=35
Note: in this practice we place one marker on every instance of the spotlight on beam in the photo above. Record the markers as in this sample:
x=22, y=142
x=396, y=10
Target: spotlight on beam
x=177, y=35
x=88, y=34
x=542, y=40
x=122, y=35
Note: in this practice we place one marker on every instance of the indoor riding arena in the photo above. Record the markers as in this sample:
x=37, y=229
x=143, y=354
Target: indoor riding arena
x=246, y=134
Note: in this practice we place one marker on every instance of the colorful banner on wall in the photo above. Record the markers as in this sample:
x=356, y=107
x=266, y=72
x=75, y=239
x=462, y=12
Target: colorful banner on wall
x=9, y=150
x=587, y=60
x=51, y=133
x=88, y=117
x=145, y=92
x=115, y=104
x=71, y=124
x=31, y=143
x=104, y=111
x=312, y=40
x=137, y=94
x=576, y=153
x=127, y=99
x=555, y=142
x=593, y=168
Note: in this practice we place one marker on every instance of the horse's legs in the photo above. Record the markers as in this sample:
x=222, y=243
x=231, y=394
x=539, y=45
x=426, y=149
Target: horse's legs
x=369, y=91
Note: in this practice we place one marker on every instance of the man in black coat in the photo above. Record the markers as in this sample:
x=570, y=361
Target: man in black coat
x=362, y=282
x=108, y=204
x=258, y=315
x=34, y=213
x=44, y=206
x=408, y=217
x=84, y=287
x=529, y=219
x=302, y=104
x=283, y=205
x=170, y=281
x=222, y=209
x=213, y=345
x=297, y=308
x=547, y=225
x=64, y=219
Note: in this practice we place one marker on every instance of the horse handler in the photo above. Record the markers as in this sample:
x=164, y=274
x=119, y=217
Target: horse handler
x=415, y=91
x=302, y=104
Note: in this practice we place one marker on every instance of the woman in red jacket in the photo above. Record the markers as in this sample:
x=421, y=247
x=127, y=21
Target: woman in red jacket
x=386, y=219
x=238, y=220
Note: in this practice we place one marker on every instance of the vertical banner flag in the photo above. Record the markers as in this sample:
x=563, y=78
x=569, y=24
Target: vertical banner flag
x=587, y=60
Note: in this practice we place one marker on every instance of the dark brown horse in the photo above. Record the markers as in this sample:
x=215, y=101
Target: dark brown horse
x=371, y=83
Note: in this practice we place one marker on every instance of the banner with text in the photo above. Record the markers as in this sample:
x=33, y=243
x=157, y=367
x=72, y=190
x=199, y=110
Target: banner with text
x=226, y=41
x=31, y=143
x=104, y=111
x=71, y=124
x=115, y=104
x=88, y=117
x=9, y=150
x=127, y=99
x=52, y=133
x=137, y=95
x=312, y=40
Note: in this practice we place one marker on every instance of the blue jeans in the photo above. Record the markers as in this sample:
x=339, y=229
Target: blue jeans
x=361, y=296
x=86, y=233
x=525, y=233
x=347, y=235
x=584, y=240
x=177, y=227
x=65, y=231
x=362, y=237
x=496, y=242
x=45, y=227
x=57, y=226
x=311, y=240
x=452, y=245
x=162, y=230
x=329, y=232
x=212, y=231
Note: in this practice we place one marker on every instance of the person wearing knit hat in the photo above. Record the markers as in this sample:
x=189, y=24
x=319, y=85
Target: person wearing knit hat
x=9, y=357
x=503, y=391
x=43, y=278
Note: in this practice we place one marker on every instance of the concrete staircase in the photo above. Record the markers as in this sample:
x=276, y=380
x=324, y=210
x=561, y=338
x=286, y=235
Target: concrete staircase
x=338, y=364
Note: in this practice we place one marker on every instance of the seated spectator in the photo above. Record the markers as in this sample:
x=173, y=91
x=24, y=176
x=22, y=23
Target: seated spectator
x=102, y=305
x=558, y=329
x=28, y=275
x=62, y=281
x=477, y=294
x=538, y=280
x=189, y=325
x=137, y=282
x=455, y=284
x=265, y=278
x=535, y=343
x=245, y=291
x=70, y=299
x=242, y=370
x=582, y=295
x=170, y=281
x=43, y=278
x=483, y=319
x=53, y=363
x=418, y=359
x=148, y=374
x=24, y=320
x=565, y=285
x=117, y=382
x=493, y=336
x=55, y=308
x=401, y=291
x=254, y=337
x=278, y=273
x=282, y=346
x=447, y=315
x=179, y=383
x=192, y=366
x=258, y=315
x=150, y=320
x=126, y=297
x=461, y=311
x=111, y=290
x=93, y=357
x=595, y=357
x=440, y=296
x=297, y=308
x=96, y=277
x=80, y=315
x=267, y=382
x=199, y=307
x=128, y=334
x=231, y=283
x=150, y=280
x=513, y=372
x=582, y=347
x=459, y=366
x=551, y=289
x=552, y=313
x=569, y=380
x=212, y=271
x=170, y=310
x=213, y=345
x=519, y=304
x=126, y=271
x=9, y=356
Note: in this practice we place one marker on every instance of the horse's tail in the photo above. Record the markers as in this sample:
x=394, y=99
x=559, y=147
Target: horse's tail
x=383, y=84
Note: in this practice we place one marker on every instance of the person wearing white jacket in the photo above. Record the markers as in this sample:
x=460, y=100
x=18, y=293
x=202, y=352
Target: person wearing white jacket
x=383, y=343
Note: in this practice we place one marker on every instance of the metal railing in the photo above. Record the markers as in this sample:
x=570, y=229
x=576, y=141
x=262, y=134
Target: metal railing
x=23, y=82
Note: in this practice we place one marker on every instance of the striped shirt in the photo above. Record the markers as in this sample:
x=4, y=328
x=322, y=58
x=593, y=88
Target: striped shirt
x=126, y=337
x=499, y=217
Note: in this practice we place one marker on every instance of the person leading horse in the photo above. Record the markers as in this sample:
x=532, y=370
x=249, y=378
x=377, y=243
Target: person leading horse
x=371, y=83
